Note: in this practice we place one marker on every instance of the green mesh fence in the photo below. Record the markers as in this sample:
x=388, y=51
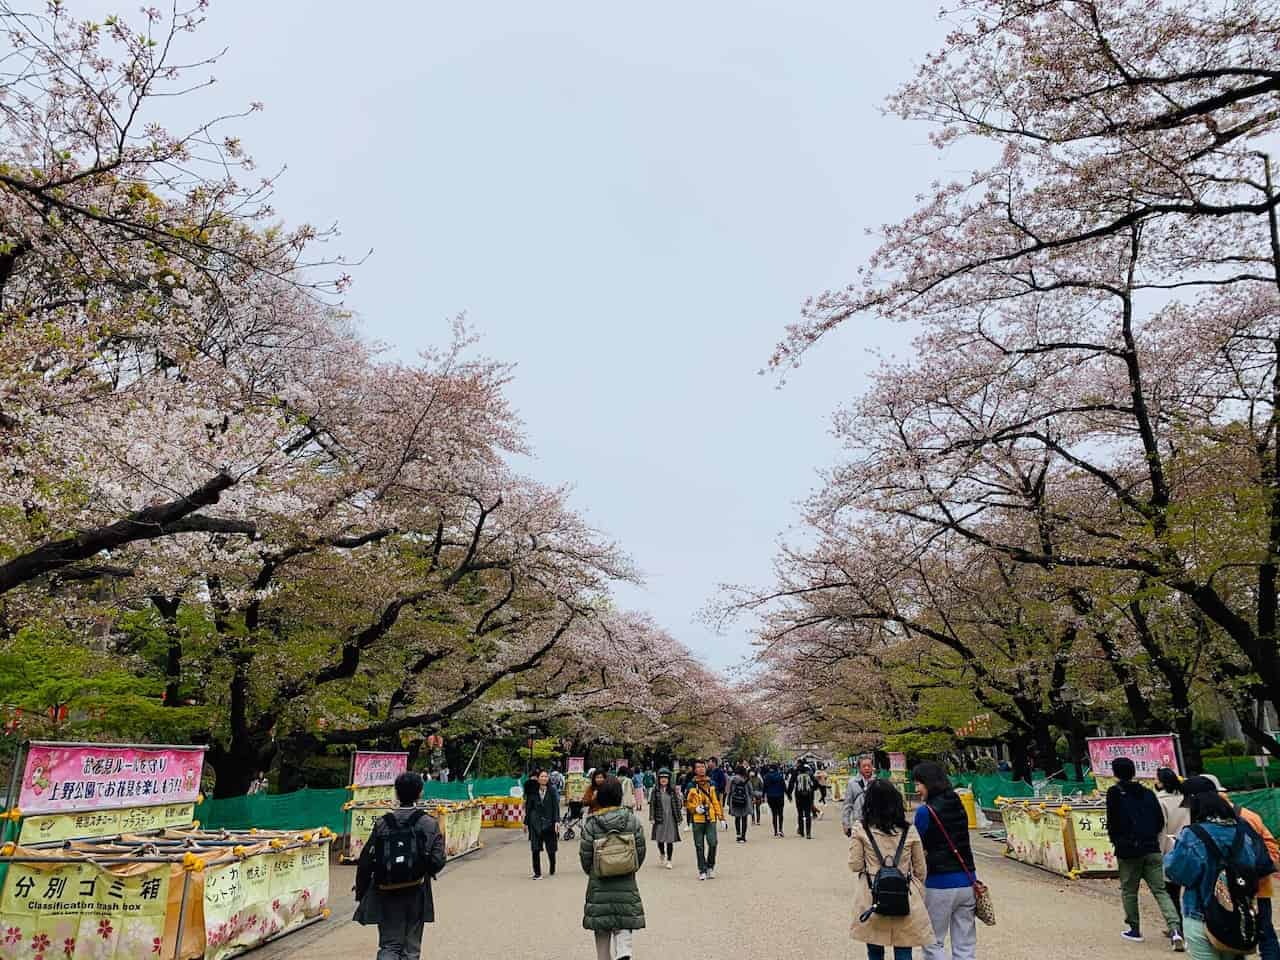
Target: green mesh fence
x=322, y=808
x=1265, y=803
x=1242, y=773
x=987, y=786
x=276, y=811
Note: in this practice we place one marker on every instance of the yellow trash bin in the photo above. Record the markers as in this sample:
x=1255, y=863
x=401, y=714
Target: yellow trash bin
x=970, y=806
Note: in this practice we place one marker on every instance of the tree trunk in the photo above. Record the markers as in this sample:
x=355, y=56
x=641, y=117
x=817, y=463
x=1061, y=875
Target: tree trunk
x=1079, y=749
x=1020, y=761
x=235, y=767
x=456, y=755
x=1184, y=727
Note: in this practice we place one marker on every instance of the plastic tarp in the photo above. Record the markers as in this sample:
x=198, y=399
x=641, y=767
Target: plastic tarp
x=303, y=810
x=308, y=809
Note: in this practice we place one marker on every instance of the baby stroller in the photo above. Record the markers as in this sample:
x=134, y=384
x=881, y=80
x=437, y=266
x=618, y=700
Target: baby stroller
x=571, y=822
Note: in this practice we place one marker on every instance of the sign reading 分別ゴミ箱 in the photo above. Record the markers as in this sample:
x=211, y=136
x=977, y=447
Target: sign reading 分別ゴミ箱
x=82, y=910
x=68, y=778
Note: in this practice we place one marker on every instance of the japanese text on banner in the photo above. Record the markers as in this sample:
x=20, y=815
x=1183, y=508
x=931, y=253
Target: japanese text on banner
x=379, y=769
x=65, y=779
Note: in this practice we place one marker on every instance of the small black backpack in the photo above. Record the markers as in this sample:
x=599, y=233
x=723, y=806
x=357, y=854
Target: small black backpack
x=739, y=793
x=890, y=888
x=400, y=861
x=1231, y=912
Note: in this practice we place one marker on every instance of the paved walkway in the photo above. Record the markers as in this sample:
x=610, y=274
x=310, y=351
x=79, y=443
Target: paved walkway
x=771, y=900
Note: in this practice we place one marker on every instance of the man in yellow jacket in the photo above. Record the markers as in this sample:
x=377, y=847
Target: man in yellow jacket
x=704, y=805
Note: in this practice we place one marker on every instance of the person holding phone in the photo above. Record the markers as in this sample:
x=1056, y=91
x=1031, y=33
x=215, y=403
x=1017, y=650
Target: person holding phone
x=705, y=808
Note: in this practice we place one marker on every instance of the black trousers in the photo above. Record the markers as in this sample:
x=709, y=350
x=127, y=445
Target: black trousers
x=666, y=849
x=804, y=814
x=775, y=809
x=740, y=823
x=757, y=801
x=1175, y=894
x=548, y=841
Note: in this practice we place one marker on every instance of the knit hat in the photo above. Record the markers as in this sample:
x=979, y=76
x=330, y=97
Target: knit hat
x=664, y=772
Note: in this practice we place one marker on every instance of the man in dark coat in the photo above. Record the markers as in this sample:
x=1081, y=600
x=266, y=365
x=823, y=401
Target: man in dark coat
x=400, y=914
x=1134, y=823
x=541, y=819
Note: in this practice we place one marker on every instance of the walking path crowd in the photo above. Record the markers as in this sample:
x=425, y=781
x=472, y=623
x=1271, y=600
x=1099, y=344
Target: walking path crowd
x=1206, y=861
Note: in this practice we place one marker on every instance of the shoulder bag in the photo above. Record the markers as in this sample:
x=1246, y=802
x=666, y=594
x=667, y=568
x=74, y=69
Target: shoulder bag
x=983, y=908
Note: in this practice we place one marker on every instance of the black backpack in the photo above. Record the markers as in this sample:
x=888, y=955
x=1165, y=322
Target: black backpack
x=890, y=888
x=739, y=793
x=1231, y=912
x=400, y=861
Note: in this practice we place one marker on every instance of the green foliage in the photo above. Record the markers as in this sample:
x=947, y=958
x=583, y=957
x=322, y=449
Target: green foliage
x=107, y=696
x=1228, y=748
x=919, y=746
x=496, y=761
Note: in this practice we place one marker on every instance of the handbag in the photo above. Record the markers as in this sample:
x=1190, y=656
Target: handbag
x=983, y=908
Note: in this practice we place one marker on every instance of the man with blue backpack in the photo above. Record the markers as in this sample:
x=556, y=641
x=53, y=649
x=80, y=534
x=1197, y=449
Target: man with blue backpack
x=1221, y=863
x=404, y=854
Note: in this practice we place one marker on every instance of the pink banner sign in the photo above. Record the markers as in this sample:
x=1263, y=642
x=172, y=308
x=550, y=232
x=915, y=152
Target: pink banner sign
x=576, y=764
x=379, y=769
x=898, y=761
x=68, y=779
x=1147, y=753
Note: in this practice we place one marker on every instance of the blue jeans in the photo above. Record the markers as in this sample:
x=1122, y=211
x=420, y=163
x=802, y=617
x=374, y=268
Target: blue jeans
x=876, y=952
x=1268, y=946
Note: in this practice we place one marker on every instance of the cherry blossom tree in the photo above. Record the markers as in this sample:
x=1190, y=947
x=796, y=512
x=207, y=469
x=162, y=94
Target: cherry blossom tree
x=1095, y=382
x=141, y=285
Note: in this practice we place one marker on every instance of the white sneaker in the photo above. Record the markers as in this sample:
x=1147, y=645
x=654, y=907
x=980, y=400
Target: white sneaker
x=669, y=867
x=702, y=876
x=661, y=860
x=1179, y=945
x=711, y=874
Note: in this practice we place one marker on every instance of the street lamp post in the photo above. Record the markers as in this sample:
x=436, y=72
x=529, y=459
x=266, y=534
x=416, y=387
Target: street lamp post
x=531, y=730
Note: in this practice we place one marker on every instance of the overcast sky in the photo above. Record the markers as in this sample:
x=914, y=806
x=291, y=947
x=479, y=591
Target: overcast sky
x=630, y=202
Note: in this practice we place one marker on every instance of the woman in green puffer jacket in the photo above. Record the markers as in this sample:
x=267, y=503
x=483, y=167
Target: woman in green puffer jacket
x=613, y=908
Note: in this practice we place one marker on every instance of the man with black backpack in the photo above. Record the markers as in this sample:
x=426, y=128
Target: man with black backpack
x=801, y=789
x=404, y=854
x=1134, y=824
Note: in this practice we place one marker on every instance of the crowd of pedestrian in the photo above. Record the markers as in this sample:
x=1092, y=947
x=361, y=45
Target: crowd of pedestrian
x=1206, y=861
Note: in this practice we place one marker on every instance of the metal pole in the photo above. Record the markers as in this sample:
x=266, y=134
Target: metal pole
x=474, y=753
x=182, y=915
x=347, y=822
x=11, y=799
x=119, y=746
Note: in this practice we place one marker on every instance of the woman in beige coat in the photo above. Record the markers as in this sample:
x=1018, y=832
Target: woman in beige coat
x=884, y=819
